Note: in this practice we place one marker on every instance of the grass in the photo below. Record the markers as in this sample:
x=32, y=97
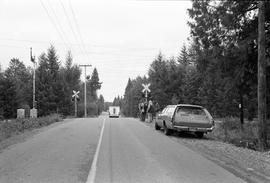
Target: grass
x=230, y=130
x=9, y=128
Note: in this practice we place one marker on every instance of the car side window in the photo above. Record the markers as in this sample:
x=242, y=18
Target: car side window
x=178, y=113
x=164, y=110
x=170, y=112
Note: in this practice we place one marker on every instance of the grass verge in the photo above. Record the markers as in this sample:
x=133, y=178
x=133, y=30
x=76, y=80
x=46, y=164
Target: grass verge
x=9, y=128
x=230, y=130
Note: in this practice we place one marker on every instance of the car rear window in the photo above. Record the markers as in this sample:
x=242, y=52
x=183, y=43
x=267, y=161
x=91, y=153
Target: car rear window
x=183, y=112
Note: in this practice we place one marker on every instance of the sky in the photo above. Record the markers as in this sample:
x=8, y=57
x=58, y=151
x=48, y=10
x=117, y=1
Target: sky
x=120, y=38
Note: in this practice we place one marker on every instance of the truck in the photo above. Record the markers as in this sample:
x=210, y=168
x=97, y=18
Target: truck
x=114, y=111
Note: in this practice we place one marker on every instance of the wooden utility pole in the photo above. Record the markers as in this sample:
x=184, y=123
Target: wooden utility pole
x=34, y=78
x=262, y=117
x=85, y=110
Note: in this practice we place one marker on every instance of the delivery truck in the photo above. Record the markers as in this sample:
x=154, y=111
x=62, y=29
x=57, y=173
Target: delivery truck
x=114, y=111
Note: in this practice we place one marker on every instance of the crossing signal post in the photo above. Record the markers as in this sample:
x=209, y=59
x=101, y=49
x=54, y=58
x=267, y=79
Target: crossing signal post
x=75, y=98
x=146, y=89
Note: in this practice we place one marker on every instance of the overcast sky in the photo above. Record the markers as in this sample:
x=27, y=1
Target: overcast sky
x=118, y=37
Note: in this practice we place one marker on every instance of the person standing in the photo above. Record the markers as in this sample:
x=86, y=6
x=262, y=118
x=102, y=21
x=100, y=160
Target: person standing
x=150, y=111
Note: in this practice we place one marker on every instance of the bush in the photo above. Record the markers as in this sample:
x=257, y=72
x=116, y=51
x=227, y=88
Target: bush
x=11, y=127
x=92, y=109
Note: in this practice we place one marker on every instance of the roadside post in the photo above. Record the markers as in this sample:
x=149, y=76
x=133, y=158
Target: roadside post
x=75, y=97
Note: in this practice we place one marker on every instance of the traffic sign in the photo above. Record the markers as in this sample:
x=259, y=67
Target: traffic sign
x=146, y=89
x=76, y=98
x=75, y=94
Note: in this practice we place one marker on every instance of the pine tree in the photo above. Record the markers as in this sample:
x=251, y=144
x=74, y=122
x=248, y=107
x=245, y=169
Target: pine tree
x=183, y=57
x=94, y=85
x=49, y=85
x=22, y=78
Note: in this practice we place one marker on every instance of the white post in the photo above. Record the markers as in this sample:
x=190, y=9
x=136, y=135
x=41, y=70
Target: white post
x=85, y=110
x=34, y=87
x=75, y=106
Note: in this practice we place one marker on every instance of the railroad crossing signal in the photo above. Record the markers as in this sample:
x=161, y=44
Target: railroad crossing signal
x=75, y=94
x=75, y=98
x=146, y=89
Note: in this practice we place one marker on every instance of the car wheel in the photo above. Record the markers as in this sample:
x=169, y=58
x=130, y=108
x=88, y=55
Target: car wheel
x=199, y=134
x=166, y=130
x=157, y=127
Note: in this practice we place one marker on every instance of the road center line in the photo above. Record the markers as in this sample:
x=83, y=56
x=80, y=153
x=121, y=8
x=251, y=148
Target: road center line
x=93, y=169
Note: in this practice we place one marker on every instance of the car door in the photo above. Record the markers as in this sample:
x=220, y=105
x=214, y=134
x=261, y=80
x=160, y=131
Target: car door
x=160, y=116
x=168, y=117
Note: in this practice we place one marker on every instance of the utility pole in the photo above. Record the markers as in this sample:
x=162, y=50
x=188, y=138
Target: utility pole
x=85, y=111
x=34, y=78
x=262, y=78
x=33, y=111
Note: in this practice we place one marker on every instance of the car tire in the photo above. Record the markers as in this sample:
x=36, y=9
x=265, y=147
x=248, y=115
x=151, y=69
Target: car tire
x=156, y=126
x=167, y=131
x=199, y=134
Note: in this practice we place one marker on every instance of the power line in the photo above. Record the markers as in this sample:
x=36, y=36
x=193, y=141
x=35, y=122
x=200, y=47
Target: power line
x=58, y=22
x=54, y=24
x=70, y=24
x=77, y=27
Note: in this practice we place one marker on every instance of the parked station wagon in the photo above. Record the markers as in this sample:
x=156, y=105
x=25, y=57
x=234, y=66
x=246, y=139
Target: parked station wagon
x=185, y=117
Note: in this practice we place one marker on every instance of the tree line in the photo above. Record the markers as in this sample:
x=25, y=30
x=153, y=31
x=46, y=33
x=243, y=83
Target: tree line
x=218, y=66
x=54, y=85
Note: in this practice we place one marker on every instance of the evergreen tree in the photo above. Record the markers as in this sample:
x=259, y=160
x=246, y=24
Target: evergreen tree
x=94, y=85
x=22, y=79
x=101, y=104
x=8, y=97
x=183, y=57
x=49, y=86
x=127, y=103
x=70, y=78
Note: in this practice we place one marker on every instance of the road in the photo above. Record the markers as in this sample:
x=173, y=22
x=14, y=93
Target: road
x=129, y=151
x=61, y=153
x=132, y=152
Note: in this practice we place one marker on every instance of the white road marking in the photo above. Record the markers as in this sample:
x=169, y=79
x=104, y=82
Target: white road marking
x=92, y=173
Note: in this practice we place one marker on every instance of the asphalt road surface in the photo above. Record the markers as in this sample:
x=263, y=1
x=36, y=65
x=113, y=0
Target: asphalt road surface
x=132, y=152
x=105, y=150
x=62, y=153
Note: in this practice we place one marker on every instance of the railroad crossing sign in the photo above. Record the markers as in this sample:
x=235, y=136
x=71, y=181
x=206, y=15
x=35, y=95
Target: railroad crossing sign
x=146, y=89
x=75, y=96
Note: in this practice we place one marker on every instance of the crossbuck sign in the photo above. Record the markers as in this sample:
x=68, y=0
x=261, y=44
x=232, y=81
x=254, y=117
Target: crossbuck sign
x=76, y=97
x=75, y=94
x=146, y=89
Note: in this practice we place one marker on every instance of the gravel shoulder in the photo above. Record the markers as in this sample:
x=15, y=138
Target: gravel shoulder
x=250, y=165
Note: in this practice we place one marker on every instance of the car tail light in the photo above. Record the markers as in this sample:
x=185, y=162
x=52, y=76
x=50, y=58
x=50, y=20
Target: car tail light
x=213, y=122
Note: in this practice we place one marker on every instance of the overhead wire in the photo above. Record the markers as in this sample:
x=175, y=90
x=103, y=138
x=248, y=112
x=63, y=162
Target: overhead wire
x=77, y=27
x=70, y=25
x=60, y=25
x=54, y=24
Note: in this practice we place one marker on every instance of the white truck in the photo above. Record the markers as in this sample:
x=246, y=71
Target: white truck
x=114, y=111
